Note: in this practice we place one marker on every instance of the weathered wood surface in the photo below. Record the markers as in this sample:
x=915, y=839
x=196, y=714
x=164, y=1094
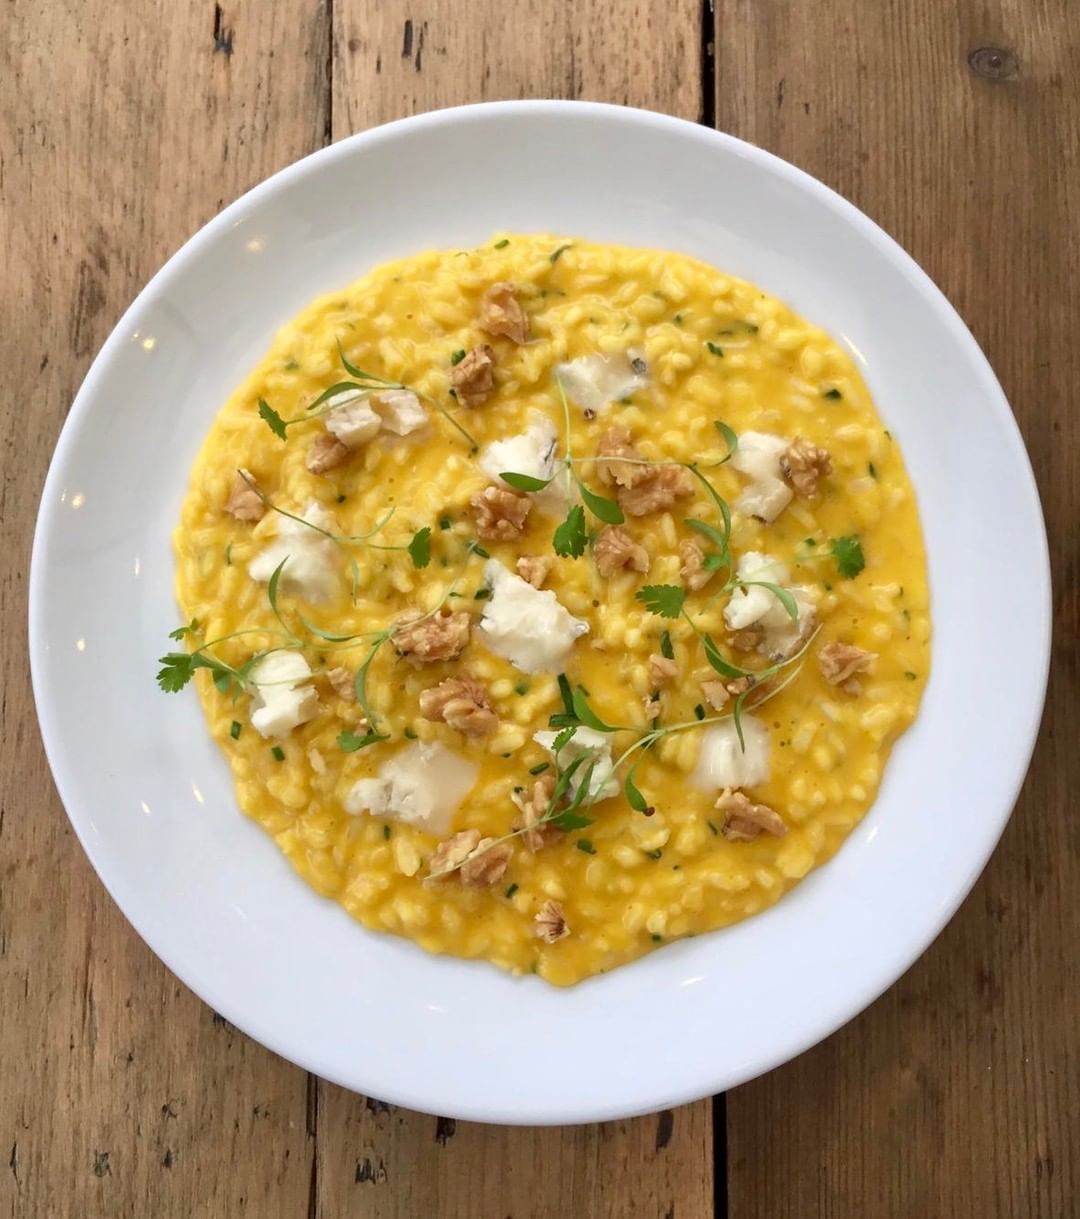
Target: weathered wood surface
x=958, y=128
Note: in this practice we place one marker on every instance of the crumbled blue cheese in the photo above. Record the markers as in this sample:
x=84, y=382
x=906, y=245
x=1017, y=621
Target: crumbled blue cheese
x=594, y=381
x=312, y=566
x=722, y=762
x=757, y=606
x=602, y=783
x=401, y=411
x=422, y=785
x=351, y=418
x=532, y=452
x=281, y=700
x=525, y=625
x=758, y=457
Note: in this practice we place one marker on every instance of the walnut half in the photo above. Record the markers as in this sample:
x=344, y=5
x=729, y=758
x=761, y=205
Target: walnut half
x=839, y=662
x=443, y=636
x=616, y=549
x=244, y=501
x=744, y=820
x=473, y=378
x=802, y=463
x=551, y=923
x=501, y=313
x=462, y=703
x=500, y=515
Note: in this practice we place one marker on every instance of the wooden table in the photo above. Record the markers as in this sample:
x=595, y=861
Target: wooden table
x=125, y=127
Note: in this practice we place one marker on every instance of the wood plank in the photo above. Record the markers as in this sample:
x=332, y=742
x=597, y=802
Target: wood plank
x=393, y=59
x=958, y=128
x=121, y=1094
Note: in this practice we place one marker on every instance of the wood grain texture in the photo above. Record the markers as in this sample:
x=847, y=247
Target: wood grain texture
x=957, y=127
x=123, y=132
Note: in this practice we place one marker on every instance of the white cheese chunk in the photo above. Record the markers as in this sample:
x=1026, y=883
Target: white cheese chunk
x=401, y=411
x=312, y=565
x=758, y=457
x=352, y=419
x=525, y=625
x=281, y=701
x=723, y=763
x=757, y=606
x=602, y=783
x=532, y=452
x=422, y=786
x=592, y=382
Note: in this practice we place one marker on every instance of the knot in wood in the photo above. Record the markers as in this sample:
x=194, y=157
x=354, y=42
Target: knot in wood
x=994, y=63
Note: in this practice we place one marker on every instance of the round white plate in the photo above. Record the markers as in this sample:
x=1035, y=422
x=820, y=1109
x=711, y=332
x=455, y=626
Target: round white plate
x=151, y=798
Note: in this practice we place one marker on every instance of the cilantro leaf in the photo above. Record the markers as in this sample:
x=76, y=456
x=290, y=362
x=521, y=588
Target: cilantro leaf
x=271, y=418
x=569, y=538
x=524, y=482
x=177, y=672
x=848, y=554
x=420, y=547
x=563, y=738
x=663, y=599
x=181, y=631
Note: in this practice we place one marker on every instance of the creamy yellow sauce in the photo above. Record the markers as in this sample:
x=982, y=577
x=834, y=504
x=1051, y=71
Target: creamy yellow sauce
x=650, y=879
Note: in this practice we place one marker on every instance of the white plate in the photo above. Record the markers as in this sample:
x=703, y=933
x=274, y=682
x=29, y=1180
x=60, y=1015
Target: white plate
x=150, y=796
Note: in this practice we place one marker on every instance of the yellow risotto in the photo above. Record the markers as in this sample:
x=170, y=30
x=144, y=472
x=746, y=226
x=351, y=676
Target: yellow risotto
x=552, y=601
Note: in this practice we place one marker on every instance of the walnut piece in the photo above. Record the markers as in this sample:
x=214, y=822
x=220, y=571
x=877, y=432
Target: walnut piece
x=533, y=806
x=802, y=463
x=452, y=852
x=663, y=486
x=473, y=378
x=716, y=693
x=244, y=502
x=662, y=672
x=535, y=569
x=487, y=864
x=325, y=453
x=749, y=639
x=342, y=683
x=616, y=443
x=651, y=703
x=551, y=923
x=500, y=514
x=693, y=572
x=443, y=636
x=745, y=821
x=462, y=703
x=839, y=662
x=616, y=549
x=501, y=313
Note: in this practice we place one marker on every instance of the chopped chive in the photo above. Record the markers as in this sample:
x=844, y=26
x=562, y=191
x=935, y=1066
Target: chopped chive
x=410, y=734
x=228, y=555
x=583, y=844
x=871, y=469
x=712, y=826
x=911, y=676
x=480, y=552
x=833, y=393
x=715, y=348
x=539, y=768
x=386, y=831
x=677, y=319
x=444, y=522
x=457, y=356
x=654, y=854
x=278, y=753
x=481, y=594
x=511, y=890
x=657, y=939
x=342, y=498
x=519, y=789
x=522, y=687
x=699, y=711
x=234, y=730
x=666, y=650
x=554, y=257
x=501, y=245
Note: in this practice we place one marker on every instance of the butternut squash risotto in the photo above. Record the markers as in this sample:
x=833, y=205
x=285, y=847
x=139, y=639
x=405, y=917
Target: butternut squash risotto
x=552, y=600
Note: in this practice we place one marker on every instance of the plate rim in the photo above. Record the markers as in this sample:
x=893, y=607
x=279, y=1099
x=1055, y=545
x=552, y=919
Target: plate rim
x=585, y=1107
